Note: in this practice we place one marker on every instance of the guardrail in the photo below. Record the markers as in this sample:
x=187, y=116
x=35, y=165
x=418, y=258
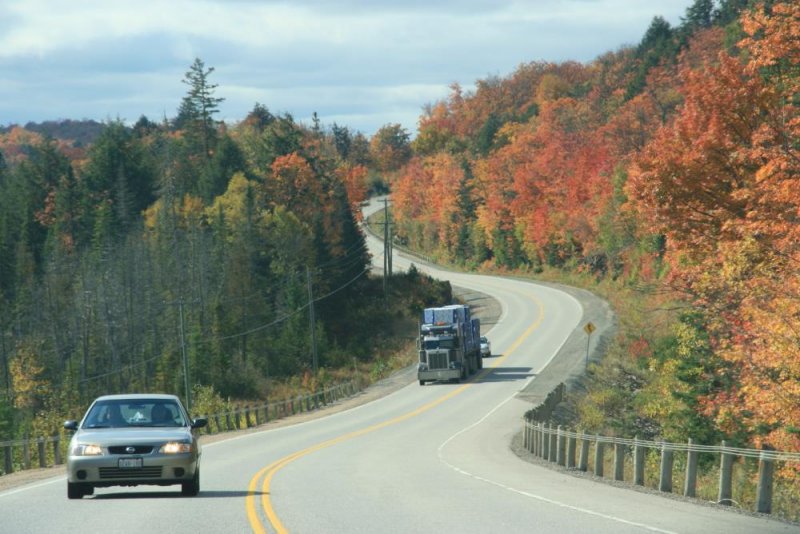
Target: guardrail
x=572, y=449
x=42, y=452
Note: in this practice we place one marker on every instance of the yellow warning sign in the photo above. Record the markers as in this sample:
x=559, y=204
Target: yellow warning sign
x=589, y=328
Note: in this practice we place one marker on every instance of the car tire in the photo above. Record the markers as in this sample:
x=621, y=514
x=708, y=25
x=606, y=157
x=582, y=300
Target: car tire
x=75, y=490
x=421, y=382
x=191, y=488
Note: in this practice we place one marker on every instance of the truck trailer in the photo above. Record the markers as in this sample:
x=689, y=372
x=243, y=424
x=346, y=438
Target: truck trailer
x=449, y=344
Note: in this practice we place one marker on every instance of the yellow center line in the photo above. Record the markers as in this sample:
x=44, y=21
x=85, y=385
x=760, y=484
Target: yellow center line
x=269, y=471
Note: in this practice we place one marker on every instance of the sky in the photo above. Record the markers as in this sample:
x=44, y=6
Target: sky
x=360, y=64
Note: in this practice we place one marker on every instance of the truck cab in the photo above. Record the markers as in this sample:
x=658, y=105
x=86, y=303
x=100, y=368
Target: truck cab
x=448, y=348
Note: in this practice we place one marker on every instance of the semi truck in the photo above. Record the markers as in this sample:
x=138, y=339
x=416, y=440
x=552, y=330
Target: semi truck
x=449, y=344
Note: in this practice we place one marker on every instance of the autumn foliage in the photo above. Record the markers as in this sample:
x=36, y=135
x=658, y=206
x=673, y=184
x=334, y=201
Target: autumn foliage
x=721, y=182
x=674, y=163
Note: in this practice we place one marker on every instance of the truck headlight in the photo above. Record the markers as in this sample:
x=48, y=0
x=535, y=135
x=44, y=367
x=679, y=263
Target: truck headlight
x=422, y=367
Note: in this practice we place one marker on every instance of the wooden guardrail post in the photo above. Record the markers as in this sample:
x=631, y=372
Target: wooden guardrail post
x=560, y=447
x=9, y=460
x=619, y=461
x=571, y=442
x=526, y=428
x=57, y=449
x=766, y=469
x=598, y=456
x=553, y=447
x=583, y=462
x=638, y=462
x=546, y=443
x=725, y=476
x=26, y=453
x=667, y=460
x=690, y=484
x=40, y=453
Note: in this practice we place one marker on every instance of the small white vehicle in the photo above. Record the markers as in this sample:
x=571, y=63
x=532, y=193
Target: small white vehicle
x=486, y=347
x=127, y=440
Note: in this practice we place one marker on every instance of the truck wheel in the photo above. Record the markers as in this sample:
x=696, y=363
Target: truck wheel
x=421, y=382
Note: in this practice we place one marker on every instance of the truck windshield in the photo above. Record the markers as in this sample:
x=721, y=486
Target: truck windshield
x=439, y=343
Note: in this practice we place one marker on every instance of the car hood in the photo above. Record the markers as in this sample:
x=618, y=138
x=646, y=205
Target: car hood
x=123, y=436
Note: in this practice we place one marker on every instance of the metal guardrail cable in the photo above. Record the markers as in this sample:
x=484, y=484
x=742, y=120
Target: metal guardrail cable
x=765, y=454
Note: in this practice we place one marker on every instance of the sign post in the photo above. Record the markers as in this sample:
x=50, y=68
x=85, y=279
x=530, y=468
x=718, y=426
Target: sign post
x=588, y=328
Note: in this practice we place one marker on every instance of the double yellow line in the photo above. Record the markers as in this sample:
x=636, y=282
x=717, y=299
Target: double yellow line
x=269, y=471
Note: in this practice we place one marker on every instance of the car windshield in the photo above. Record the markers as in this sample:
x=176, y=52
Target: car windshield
x=139, y=413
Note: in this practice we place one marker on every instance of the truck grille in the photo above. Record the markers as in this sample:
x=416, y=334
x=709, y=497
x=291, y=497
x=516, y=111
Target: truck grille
x=437, y=360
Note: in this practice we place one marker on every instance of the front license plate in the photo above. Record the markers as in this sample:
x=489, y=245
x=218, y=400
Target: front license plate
x=130, y=463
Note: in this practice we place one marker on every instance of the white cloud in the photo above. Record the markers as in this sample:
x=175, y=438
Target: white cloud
x=342, y=58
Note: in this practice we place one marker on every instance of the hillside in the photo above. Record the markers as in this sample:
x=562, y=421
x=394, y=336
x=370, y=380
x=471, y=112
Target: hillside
x=80, y=133
x=665, y=177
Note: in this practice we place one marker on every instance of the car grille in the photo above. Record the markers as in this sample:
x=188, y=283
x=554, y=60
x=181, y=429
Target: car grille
x=137, y=449
x=437, y=361
x=144, y=472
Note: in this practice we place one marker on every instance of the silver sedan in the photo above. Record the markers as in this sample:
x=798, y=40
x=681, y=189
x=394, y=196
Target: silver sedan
x=128, y=440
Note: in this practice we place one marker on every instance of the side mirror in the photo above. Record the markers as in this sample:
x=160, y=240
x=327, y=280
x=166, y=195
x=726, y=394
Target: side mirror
x=199, y=422
x=71, y=425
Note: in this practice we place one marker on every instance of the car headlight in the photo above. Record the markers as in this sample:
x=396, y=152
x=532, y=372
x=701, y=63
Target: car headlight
x=86, y=449
x=175, y=447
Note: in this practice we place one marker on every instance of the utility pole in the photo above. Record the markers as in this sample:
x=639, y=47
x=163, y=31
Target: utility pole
x=185, y=359
x=385, y=243
x=389, y=241
x=182, y=332
x=387, y=247
x=313, y=323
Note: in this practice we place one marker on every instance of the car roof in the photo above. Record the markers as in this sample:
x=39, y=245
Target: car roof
x=138, y=396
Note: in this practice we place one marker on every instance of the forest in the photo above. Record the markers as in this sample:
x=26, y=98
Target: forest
x=186, y=255
x=663, y=176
